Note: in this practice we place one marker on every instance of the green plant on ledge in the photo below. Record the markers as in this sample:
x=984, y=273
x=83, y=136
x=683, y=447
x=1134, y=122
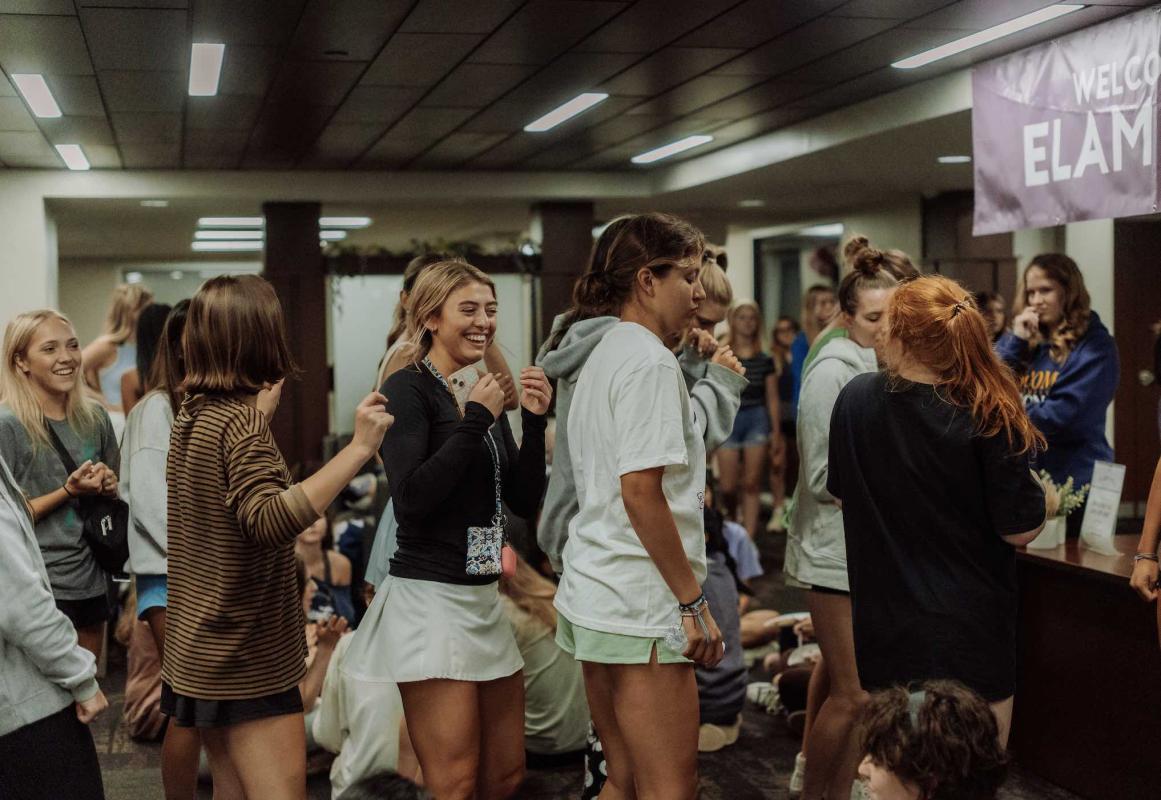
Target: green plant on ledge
x=1061, y=500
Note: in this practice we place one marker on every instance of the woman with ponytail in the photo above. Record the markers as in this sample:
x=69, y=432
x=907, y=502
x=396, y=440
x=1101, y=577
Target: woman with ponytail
x=931, y=463
x=815, y=550
x=1067, y=364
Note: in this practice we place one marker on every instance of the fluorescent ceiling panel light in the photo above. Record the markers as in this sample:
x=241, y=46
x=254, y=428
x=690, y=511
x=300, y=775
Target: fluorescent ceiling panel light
x=988, y=35
x=231, y=222
x=332, y=236
x=672, y=149
x=831, y=230
x=954, y=159
x=751, y=203
x=223, y=247
x=205, y=68
x=37, y=95
x=229, y=235
x=344, y=222
x=133, y=277
x=73, y=156
x=155, y=203
x=580, y=103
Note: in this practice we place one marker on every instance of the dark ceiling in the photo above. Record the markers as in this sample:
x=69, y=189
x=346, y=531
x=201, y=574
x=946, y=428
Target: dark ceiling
x=449, y=84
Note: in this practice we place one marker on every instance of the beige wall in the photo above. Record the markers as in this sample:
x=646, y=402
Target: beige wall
x=897, y=226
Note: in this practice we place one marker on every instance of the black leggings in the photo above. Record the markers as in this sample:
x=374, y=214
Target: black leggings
x=50, y=759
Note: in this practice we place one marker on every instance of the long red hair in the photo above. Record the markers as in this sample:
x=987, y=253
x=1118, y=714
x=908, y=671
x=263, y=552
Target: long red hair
x=936, y=322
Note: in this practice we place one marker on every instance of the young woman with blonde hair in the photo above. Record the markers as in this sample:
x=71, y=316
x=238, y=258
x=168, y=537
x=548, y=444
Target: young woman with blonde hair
x=931, y=462
x=234, y=637
x=742, y=458
x=108, y=357
x=436, y=626
x=43, y=397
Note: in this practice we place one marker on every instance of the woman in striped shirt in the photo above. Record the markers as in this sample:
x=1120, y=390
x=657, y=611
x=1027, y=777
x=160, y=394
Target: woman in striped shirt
x=234, y=642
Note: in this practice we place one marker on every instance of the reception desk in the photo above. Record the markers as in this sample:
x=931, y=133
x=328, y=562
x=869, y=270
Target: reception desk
x=1088, y=706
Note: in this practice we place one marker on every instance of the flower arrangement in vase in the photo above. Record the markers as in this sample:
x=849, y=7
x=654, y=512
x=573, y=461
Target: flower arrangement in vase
x=1060, y=500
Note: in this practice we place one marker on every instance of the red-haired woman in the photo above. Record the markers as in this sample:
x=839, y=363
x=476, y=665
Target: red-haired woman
x=931, y=462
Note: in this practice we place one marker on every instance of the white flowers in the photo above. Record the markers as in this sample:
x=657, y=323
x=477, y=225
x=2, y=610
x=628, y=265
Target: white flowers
x=1062, y=500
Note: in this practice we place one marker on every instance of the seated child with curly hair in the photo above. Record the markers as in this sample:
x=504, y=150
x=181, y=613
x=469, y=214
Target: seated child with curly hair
x=938, y=743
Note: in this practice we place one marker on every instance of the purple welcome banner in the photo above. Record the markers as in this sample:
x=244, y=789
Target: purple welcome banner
x=1067, y=130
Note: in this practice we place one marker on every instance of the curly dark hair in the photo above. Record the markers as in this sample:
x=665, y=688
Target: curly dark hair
x=946, y=742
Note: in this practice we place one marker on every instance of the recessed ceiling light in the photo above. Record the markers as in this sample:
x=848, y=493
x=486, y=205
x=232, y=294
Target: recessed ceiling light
x=225, y=236
x=177, y=274
x=223, y=247
x=155, y=203
x=73, y=156
x=580, y=103
x=37, y=95
x=830, y=230
x=344, y=222
x=988, y=35
x=205, y=69
x=954, y=159
x=671, y=149
x=751, y=203
x=332, y=236
x=230, y=222
x=134, y=277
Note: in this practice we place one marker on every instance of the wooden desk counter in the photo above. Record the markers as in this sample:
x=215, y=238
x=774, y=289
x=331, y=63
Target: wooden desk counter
x=1088, y=705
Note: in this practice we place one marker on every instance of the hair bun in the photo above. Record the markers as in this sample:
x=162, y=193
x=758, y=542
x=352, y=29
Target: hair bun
x=854, y=247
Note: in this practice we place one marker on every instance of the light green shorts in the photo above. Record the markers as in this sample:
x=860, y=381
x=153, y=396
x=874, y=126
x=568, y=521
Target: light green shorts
x=585, y=644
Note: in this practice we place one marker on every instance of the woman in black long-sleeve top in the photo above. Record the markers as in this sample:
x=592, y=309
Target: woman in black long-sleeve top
x=446, y=642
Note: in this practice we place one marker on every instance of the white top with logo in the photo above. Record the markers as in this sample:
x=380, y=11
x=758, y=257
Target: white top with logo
x=630, y=412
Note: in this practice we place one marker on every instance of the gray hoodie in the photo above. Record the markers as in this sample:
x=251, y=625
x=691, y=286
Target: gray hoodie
x=42, y=668
x=816, y=551
x=715, y=394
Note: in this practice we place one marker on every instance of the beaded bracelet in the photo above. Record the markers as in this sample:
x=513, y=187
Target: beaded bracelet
x=692, y=609
x=1145, y=557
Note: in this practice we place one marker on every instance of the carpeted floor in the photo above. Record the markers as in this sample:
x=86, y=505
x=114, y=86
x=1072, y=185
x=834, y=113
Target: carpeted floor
x=756, y=768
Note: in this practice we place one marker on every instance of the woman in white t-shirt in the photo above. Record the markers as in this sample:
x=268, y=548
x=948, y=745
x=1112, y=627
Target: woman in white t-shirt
x=630, y=600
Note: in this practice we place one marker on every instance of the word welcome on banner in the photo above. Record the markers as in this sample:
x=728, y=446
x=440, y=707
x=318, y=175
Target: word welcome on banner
x=1067, y=130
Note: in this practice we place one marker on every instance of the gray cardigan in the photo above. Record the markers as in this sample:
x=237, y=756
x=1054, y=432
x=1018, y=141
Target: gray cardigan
x=42, y=668
x=144, y=450
x=715, y=394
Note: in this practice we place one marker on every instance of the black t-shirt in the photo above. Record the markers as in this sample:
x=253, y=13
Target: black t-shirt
x=757, y=368
x=925, y=501
x=439, y=468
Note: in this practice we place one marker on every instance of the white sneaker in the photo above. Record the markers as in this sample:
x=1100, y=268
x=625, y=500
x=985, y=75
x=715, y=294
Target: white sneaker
x=765, y=694
x=776, y=525
x=798, y=778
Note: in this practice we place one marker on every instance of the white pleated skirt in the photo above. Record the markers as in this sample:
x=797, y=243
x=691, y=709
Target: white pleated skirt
x=417, y=630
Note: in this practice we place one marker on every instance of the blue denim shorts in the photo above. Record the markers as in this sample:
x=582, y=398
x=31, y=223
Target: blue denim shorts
x=152, y=592
x=751, y=428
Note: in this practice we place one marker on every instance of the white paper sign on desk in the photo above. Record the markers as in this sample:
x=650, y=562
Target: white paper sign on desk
x=1100, y=512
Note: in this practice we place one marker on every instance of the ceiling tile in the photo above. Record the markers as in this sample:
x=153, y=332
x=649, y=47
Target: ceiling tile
x=48, y=45
x=164, y=155
x=146, y=128
x=810, y=42
x=284, y=131
x=457, y=148
x=316, y=83
x=133, y=3
x=509, y=152
x=103, y=156
x=353, y=30
x=456, y=16
x=651, y=24
x=265, y=23
x=248, y=70
x=762, y=123
x=222, y=113
x=567, y=77
x=974, y=15
x=429, y=123
x=419, y=59
x=511, y=115
x=339, y=145
x=86, y=131
x=392, y=152
x=206, y=149
x=62, y=8
x=150, y=92
x=6, y=88
x=14, y=115
x=891, y=9
x=129, y=38
x=76, y=94
x=869, y=55
x=477, y=85
x=23, y=149
x=559, y=156
x=756, y=21
x=760, y=98
x=621, y=128
x=666, y=69
x=695, y=94
x=542, y=30
x=378, y=105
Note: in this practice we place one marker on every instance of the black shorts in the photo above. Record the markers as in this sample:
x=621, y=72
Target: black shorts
x=828, y=590
x=86, y=613
x=193, y=712
x=49, y=759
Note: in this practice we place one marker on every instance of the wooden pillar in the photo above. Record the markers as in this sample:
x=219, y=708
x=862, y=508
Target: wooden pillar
x=293, y=263
x=566, y=231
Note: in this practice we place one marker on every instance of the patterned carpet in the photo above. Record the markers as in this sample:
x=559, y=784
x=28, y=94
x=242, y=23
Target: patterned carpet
x=756, y=768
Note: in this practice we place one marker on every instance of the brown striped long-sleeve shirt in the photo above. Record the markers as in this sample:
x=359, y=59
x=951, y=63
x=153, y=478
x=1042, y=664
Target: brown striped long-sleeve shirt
x=234, y=626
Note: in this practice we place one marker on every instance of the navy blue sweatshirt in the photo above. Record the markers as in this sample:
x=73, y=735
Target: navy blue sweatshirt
x=1068, y=402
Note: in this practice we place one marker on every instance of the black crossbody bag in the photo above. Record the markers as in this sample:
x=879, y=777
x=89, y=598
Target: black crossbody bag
x=105, y=520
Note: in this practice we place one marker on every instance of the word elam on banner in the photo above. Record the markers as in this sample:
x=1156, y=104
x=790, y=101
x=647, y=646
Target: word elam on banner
x=1067, y=130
